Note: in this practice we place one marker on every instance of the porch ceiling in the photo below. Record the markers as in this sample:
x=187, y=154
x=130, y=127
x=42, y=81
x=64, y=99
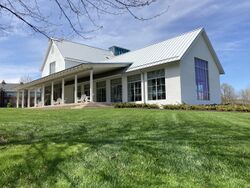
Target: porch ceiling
x=81, y=70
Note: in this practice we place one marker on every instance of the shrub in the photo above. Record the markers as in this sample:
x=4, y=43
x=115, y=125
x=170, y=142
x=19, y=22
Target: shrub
x=9, y=105
x=135, y=105
x=223, y=108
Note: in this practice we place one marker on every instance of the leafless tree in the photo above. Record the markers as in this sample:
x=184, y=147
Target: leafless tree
x=245, y=95
x=49, y=17
x=25, y=79
x=228, y=94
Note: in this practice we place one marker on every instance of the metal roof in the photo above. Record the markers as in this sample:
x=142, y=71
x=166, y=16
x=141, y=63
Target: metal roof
x=8, y=86
x=83, y=52
x=167, y=51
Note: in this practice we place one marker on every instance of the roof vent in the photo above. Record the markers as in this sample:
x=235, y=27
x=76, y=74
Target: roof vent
x=118, y=50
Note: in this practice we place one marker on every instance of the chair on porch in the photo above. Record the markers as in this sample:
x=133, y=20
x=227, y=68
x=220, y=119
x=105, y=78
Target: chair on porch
x=58, y=101
x=84, y=98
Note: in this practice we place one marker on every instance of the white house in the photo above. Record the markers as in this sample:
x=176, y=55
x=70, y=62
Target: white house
x=184, y=69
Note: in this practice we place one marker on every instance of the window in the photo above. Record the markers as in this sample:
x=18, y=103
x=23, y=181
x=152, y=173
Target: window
x=134, y=88
x=79, y=91
x=156, y=85
x=201, y=78
x=52, y=67
x=87, y=89
x=116, y=90
x=101, y=91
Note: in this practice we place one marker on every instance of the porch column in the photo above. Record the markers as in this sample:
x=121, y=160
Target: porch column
x=17, y=99
x=35, y=98
x=91, y=85
x=28, y=105
x=43, y=95
x=63, y=91
x=75, y=88
x=142, y=88
x=52, y=93
x=23, y=99
x=124, y=89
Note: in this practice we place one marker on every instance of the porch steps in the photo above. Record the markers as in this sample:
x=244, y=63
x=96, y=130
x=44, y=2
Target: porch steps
x=93, y=105
x=77, y=106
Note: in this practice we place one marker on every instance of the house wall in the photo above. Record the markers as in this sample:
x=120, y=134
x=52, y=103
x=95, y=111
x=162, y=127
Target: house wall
x=54, y=55
x=187, y=67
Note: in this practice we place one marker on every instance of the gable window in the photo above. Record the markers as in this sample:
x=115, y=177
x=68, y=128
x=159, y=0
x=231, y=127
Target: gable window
x=101, y=91
x=156, y=85
x=52, y=67
x=201, y=78
x=134, y=88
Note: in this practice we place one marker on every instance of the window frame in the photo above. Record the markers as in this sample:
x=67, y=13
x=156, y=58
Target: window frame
x=202, y=94
x=101, y=89
x=158, y=83
x=50, y=67
x=135, y=84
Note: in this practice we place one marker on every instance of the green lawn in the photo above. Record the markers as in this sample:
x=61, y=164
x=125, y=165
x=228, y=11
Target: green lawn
x=124, y=148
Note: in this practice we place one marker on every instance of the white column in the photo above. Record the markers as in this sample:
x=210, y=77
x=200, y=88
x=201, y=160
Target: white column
x=108, y=96
x=142, y=88
x=52, y=94
x=145, y=87
x=35, y=98
x=75, y=88
x=63, y=91
x=43, y=95
x=124, y=89
x=91, y=85
x=17, y=99
x=23, y=99
x=28, y=105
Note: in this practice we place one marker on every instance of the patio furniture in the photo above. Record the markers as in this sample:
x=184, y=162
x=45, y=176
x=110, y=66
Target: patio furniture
x=58, y=101
x=84, y=98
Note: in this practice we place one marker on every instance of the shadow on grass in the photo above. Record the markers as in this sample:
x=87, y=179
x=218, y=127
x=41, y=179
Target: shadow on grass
x=46, y=154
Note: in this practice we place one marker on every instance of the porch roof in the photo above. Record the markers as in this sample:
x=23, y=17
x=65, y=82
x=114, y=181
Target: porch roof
x=82, y=68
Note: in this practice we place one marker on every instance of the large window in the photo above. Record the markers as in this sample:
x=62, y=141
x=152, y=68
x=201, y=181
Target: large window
x=52, y=67
x=87, y=89
x=201, y=77
x=116, y=90
x=134, y=88
x=101, y=91
x=156, y=85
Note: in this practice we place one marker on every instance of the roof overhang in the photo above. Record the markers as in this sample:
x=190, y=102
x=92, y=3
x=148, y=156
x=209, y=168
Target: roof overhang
x=79, y=69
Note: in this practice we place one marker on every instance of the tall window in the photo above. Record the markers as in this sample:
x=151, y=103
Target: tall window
x=116, y=90
x=134, y=88
x=201, y=77
x=87, y=89
x=156, y=85
x=52, y=67
x=101, y=91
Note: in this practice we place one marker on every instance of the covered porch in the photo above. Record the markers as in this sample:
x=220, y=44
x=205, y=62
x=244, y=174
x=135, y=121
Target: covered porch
x=69, y=87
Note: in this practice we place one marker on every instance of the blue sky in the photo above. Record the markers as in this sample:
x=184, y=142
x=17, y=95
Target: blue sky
x=227, y=23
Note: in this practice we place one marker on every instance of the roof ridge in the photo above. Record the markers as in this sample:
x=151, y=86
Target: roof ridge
x=61, y=39
x=185, y=33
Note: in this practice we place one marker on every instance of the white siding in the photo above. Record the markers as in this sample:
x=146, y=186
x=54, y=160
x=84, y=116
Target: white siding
x=54, y=55
x=188, y=85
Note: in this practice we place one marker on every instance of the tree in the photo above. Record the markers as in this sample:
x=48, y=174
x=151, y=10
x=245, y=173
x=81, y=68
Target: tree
x=228, y=94
x=25, y=79
x=245, y=95
x=57, y=15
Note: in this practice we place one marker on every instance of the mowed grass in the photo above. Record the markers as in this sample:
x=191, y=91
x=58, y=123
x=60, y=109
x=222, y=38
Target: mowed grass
x=124, y=148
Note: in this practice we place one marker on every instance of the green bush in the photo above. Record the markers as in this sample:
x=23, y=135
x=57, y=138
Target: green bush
x=134, y=105
x=222, y=108
x=9, y=105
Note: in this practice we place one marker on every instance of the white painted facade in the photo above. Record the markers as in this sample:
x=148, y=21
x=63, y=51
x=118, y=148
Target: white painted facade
x=178, y=65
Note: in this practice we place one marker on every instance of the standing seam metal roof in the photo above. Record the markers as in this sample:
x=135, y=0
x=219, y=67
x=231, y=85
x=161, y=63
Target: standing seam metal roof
x=169, y=50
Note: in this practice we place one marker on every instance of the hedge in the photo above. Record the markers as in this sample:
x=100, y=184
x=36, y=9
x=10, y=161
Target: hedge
x=225, y=108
